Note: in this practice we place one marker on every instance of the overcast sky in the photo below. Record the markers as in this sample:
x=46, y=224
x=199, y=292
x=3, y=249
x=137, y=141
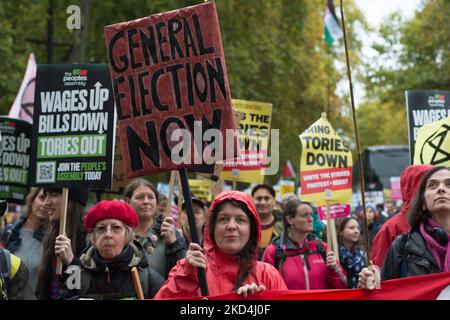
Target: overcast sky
x=376, y=11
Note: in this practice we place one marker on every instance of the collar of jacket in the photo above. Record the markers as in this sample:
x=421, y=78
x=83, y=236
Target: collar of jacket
x=415, y=244
x=38, y=234
x=131, y=256
x=290, y=244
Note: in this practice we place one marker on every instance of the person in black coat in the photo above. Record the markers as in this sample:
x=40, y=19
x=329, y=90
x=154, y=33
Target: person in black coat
x=104, y=270
x=425, y=248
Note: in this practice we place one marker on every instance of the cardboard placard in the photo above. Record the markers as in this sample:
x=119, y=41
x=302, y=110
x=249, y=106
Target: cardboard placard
x=73, y=127
x=15, y=146
x=168, y=72
x=424, y=107
x=326, y=165
x=253, y=136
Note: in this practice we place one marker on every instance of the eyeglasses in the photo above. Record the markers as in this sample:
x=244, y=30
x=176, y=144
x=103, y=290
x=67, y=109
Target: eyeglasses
x=115, y=229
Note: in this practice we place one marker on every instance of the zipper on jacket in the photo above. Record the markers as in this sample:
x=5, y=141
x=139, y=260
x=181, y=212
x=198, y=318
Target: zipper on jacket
x=108, y=276
x=305, y=268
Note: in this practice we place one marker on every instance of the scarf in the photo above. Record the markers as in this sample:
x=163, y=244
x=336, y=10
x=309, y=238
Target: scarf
x=441, y=254
x=353, y=262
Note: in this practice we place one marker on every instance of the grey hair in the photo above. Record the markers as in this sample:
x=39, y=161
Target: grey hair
x=288, y=196
x=129, y=235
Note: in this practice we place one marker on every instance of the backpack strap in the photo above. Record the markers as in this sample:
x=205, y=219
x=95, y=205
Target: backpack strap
x=321, y=250
x=5, y=270
x=280, y=251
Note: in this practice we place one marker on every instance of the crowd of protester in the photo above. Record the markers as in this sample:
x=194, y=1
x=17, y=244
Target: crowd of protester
x=247, y=242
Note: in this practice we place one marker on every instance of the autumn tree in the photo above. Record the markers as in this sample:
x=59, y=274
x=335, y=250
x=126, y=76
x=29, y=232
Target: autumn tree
x=411, y=55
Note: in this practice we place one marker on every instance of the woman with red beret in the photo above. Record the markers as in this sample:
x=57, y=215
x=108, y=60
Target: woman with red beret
x=106, y=265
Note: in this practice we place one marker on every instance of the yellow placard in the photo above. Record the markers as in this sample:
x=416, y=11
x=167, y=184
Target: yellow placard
x=253, y=136
x=325, y=169
x=433, y=144
x=287, y=187
x=201, y=188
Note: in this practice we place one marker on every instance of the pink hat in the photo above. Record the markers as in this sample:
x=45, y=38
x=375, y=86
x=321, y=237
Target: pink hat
x=111, y=210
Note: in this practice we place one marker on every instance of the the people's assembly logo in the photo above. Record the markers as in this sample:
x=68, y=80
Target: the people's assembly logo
x=77, y=77
x=437, y=100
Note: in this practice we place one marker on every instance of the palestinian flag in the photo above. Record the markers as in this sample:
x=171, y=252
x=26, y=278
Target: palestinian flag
x=288, y=170
x=332, y=27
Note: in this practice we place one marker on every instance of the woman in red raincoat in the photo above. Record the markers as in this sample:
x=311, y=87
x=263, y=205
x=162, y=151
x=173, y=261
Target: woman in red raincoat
x=231, y=238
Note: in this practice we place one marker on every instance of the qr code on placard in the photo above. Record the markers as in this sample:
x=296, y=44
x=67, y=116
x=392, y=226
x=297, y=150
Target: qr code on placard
x=45, y=172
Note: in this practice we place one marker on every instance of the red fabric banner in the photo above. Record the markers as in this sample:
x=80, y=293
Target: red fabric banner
x=428, y=287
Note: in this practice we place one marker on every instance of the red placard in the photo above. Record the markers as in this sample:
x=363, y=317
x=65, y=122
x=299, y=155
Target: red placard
x=168, y=72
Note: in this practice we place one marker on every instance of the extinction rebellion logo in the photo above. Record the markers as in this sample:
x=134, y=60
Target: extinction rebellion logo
x=437, y=100
x=77, y=77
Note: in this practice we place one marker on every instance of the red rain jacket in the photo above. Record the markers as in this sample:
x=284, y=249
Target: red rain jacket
x=409, y=183
x=306, y=271
x=221, y=268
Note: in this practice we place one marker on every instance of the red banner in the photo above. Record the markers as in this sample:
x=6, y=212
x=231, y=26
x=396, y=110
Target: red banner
x=168, y=72
x=428, y=287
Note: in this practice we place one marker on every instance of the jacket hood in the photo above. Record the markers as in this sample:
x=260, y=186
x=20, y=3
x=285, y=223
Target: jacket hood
x=208, y=243
x=410, y=181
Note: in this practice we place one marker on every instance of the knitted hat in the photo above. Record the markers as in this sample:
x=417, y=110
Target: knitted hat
x=114, y=209
x=80, y=195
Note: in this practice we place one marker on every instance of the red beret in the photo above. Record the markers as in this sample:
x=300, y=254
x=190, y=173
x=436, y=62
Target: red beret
x=110, y=210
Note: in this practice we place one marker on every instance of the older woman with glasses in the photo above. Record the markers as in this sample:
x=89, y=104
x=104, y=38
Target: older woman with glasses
x=106, y=265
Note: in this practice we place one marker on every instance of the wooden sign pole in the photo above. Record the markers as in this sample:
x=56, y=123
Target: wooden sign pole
x=62, y=225
x=334, y=238
x=180, y=194
x=168, y=212
x=137, y=284
x=192, y=226
x=329, y=227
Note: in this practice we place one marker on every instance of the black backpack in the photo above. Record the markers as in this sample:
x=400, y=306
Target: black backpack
x=281, y=255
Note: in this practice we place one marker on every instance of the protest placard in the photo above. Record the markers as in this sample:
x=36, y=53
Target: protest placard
x=286, y=186
x=73, y=127
x=201, y=188
x=15, y=145
x=171, y=87
x=172, y=95
x=253, y=137
x=326, y=164
x=424, y=107
x=432, y=144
